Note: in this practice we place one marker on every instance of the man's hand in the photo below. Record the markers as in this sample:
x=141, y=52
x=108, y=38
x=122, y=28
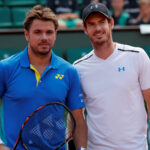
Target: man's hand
x=3, y=147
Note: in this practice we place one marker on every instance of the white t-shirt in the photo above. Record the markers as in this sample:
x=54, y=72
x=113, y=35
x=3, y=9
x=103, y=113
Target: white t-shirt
x=116, y=115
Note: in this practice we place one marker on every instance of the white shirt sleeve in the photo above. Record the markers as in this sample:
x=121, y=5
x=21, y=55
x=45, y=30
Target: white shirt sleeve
x=144, y=70
x=1, y=142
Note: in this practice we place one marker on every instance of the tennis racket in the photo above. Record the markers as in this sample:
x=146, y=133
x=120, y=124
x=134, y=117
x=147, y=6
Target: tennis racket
x=49, y=127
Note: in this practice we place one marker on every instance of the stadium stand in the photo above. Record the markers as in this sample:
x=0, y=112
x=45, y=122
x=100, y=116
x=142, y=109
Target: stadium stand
x=20, y=2
x=12, y=12
x=18, y=15
x=1, y=2
x=42, y=2
x=5, y=17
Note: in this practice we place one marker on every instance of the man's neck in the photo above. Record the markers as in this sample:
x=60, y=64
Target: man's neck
x=105, y=50
x=39, y=62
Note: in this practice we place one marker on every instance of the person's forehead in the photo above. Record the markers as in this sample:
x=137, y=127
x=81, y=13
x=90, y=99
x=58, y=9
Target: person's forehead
x=37, y=23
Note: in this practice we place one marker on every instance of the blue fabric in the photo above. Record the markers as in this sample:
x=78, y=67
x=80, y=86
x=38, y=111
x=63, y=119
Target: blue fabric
x=47, y=127
x=20, y=95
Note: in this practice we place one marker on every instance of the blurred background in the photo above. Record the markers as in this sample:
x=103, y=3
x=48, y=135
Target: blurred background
x=132, y=25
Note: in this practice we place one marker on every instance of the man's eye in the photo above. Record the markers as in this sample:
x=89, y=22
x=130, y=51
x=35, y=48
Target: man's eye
x=37, y=32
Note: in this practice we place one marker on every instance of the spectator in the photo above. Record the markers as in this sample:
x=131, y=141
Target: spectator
x=131, y=7
x=105, y=2
x=119, y=15
x=144, y=15
x=66, y=11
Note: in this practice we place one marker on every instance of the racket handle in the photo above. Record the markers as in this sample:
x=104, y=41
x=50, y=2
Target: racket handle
x=81, y=148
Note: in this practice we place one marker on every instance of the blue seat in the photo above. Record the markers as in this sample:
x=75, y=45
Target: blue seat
x=42, y=2
x=76, y=53
x=20, y=2
x=18, y=15
x=5, y=17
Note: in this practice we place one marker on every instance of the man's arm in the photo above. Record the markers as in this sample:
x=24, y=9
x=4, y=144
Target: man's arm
x=3, y=147
x=146, y=94
x=67, y=16
x=80, y=137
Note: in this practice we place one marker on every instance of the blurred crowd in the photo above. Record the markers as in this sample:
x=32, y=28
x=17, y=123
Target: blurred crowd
x=124, y=12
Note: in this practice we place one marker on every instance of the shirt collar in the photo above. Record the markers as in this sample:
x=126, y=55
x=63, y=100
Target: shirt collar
x=24, y=60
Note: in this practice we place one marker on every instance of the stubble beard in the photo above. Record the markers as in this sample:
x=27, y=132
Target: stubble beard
x=39, y=52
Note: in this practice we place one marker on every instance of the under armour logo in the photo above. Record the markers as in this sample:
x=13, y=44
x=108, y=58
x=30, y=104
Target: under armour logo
x=121, y=69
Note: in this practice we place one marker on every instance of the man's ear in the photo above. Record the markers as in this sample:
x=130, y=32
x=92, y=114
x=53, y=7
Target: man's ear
x=26, y=33
x=111, y=22
x=84, y=29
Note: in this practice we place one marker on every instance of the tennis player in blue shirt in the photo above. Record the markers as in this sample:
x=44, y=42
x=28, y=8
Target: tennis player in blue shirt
x=35, y=77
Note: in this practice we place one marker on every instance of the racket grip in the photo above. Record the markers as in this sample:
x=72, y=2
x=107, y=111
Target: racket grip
x=81, y=148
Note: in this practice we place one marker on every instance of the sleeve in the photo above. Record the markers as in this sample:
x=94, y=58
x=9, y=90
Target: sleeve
x=144, y=70
x=75, y=97
x=2, y=87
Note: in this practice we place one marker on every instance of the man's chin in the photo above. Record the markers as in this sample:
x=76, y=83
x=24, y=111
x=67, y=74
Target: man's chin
x=44, y=52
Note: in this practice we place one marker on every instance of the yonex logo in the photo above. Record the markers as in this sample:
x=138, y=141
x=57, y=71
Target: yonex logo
x=59, y=76
x=121, y=69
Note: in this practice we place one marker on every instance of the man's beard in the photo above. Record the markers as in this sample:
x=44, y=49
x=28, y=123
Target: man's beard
x=38, y=52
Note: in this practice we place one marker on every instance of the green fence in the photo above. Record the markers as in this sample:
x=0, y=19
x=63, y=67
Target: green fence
x=71, y=44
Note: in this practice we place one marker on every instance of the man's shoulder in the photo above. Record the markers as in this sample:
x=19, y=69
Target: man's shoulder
x=9, y=65
x=84, y=58
x=11, y=61
x=129, y=48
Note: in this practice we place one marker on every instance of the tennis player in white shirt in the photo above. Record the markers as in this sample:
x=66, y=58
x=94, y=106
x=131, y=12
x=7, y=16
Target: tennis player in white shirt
x=115, y=79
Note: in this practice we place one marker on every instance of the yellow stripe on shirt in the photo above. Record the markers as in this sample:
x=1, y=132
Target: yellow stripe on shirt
x=37, y=74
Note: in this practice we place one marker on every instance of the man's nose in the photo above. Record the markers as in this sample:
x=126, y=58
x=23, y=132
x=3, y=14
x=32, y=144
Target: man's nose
x=98, y=27
x=43, y=36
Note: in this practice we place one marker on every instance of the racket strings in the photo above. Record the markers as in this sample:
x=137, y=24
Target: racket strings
x=47, y=129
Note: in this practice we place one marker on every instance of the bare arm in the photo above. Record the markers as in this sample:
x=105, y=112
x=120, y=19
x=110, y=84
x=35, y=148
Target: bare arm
x=81, y=129
x=146, y=94
x=68, y=16
x=3, y=147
